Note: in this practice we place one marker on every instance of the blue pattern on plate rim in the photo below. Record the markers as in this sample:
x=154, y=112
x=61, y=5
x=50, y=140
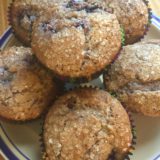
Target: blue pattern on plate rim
x=5, y=149
x=157, y=158
x=156, y=20
x=5, y=36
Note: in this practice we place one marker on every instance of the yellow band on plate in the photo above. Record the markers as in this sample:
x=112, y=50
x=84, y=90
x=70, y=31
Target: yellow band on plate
x=155, y=5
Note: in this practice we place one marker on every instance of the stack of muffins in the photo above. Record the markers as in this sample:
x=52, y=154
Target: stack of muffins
x=77, y=41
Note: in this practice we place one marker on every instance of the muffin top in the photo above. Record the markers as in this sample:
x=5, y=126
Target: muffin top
x=132, y=14
x=135, y=77
x=87, y=124
x=23, y=13
x=26, y=87
x=37, y=3
x=76, y=43
x=138, y=63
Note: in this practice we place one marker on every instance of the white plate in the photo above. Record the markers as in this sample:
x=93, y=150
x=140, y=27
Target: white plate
x=21, y=142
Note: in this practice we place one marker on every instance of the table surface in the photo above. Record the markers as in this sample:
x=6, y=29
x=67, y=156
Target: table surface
x=3, y=15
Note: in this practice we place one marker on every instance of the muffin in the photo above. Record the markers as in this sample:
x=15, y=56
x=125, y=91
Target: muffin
x=87, y=124
x=23, y=13
x=135, y=77
x=76, y=44
x=26, y=87
x=132, y=14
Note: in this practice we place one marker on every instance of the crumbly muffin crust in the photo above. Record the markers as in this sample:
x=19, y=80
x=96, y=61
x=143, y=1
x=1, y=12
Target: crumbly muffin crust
x=26, y=87
x=132, y=14
x=87, y=124
x=23, y=13
x=76, y=43
x=137, y=81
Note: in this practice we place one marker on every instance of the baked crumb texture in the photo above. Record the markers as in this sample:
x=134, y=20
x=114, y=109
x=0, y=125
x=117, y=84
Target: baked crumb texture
x=133, y=15
x=23, y=13
x=87, y=124
x=26, y=87
x=135, y=77
x=76, y=43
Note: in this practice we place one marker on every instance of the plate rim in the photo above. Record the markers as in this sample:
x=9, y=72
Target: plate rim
x=6, y=149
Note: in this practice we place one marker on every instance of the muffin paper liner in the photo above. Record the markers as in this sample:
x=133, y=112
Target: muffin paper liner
x=9, y=13
x=10, y=22
x=134, y=139
x=123, y=36
x=149, y=19
x=149, y=14
x=149, y=11
x=78, y=80
x=133, y=129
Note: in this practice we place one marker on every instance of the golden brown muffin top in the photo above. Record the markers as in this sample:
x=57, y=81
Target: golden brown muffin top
x=132, y=14
x=26, y=87
x=87, y=124
x=136, y=63
x=76, y=43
